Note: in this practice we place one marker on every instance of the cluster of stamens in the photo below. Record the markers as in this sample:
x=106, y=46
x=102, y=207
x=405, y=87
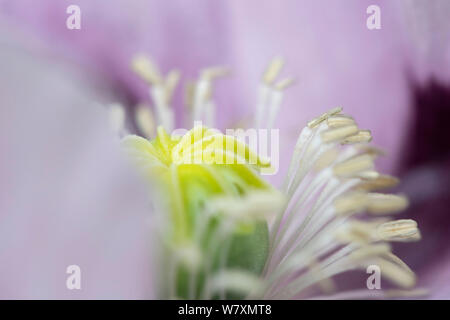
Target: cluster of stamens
x=332, y=218
x=322, y=232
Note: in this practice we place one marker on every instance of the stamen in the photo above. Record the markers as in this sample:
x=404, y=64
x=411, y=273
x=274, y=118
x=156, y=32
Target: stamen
x=264, y=93
x=300, y=147
x=146, y=69
x=368, y=175
x=340, y=121
x=369, y=251
x=399, y=230
x=161, y=89
x=327, y=158
x=270, y=95
x=145, y=121
x=396, y=273
x=315, y=122
x=338, y=133
x=393, y=258
x=381, y=182
x=283, y=84
x=354, y=165
x=369, y=149
x=274, y=107
x=165, y=115
x=362, y=136
x=189, y=92
x=212, y=73
x=273, y=70
x=203, y=109
x=379, y=203
x=350, y=203
x=172, y=79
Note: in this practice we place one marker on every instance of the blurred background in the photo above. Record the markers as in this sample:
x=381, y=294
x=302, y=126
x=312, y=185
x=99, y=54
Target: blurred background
x=394, y=81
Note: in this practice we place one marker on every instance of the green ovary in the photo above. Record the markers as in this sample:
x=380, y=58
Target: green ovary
x=189, y=188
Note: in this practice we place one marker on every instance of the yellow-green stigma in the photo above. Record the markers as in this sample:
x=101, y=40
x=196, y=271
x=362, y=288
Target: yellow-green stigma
x=195, y=175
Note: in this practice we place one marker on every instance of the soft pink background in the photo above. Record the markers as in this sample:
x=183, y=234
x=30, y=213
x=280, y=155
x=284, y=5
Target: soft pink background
x=47, y=198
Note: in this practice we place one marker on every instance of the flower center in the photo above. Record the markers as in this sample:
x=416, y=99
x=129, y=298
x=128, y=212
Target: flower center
x=195, y=175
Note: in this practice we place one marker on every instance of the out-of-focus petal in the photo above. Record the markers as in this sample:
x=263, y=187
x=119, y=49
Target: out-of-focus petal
x=67, y=196
x=347, y=65
x=427, y=26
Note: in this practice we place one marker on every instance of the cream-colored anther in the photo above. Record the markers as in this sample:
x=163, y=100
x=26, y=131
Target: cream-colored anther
x=326, y=159
x=172, y=79
x=370, y=251
x=381, y=182
x=214, y=72
x=379, y=203
x=396, y=273
x=316, y=121
x=368, y=175
x=146, y=69
x=189, y=92
x=399, y=230
x=273, y=70
x=283, y=84
x=364, y=148
x=337, y=134
x=350, y=203
x=363, y=136
x=359, y=163
x=340, y=121
x=145, y=121
x=334, y=111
